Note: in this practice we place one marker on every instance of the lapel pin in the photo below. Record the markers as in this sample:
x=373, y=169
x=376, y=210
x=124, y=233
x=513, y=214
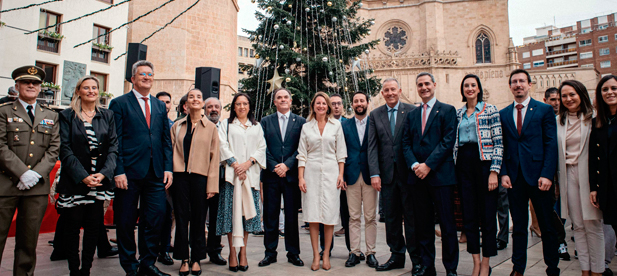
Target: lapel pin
x=402, y=112
x=437, y=111
x=531, y=109
x=294, y=119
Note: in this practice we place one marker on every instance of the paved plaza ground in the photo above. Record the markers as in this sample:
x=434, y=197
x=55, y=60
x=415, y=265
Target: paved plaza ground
x=502, y=264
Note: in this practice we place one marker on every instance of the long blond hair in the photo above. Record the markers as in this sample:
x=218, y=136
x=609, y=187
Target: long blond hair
x=76, y=101
x=327, y=98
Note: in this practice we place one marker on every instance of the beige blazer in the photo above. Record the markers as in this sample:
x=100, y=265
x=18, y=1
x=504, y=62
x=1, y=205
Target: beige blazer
x=204, y=158
x=589, y=212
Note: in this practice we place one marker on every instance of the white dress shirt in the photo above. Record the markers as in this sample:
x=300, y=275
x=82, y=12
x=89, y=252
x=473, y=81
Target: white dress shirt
x=283, y=123
x=523, y=110
x=142, y=103
x=25, y=104
x=361, y=126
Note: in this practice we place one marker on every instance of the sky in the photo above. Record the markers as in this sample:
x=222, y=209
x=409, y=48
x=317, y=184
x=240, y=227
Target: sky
x=524, y=15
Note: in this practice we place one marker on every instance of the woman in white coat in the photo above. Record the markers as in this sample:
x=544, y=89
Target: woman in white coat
x=243, y=149
x=573, y=130
x=321, y=161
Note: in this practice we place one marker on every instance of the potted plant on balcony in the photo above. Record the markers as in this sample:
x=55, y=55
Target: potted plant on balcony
x=49, y=92
x=105, y=97
x=102, y=47
x=51, y=35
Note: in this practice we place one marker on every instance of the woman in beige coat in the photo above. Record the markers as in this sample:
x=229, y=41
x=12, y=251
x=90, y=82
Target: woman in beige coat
x=573, y=130
x=195, y=143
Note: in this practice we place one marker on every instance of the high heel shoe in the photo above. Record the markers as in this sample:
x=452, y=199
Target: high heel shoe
x=242, y=267
x=533, y=230
x=233, y=268
x=184, y=273
x=193, y=272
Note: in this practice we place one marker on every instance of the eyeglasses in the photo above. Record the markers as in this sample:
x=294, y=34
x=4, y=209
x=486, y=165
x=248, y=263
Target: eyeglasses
x=28, y=82
x=336, y=103
x=146, y=74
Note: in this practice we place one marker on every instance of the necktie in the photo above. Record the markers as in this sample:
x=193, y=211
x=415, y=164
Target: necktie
x=283, y=127
x=147, y=111
x=30, y=114
x=392, y=120
x=519, y=118
x=424, y=107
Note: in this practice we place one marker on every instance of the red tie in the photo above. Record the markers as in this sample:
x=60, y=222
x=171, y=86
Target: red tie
x=148, y=111
x=519, y=118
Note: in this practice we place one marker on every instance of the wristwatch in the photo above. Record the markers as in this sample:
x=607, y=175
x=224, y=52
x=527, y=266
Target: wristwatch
x=252, y=162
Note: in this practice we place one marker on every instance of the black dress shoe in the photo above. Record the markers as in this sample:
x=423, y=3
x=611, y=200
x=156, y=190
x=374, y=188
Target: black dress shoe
x=416, y=269
x=390, y=264
x=267, y=260
x=243, y=267
x=217, y=259
x=501, y=245
x=451, y=273
x=607, y=272
x=132, y=273
x=113, y=251
x=233, y=268
x=382, y=219
x=371, y=261
x=362, y=257
x=165, y=259
x=151, y=271
x=353, y=260
x=426, y=271
x=57, y=256
x=295, y=260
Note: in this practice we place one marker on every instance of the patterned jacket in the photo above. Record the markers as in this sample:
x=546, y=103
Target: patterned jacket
x=488, y=127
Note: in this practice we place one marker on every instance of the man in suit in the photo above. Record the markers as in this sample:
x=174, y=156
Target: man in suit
x=29, y=147
x=428, y=141
x=388, y=172
x=213, y=109
x=282, y=131
x=530, y=161
x=359, y=190
x=143, y=171
x=165, y=246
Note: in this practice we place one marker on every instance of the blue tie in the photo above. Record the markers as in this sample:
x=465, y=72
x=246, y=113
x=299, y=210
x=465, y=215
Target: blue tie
x=392, y=120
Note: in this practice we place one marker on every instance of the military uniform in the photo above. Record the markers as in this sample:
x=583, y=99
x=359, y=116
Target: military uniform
x=25, y=145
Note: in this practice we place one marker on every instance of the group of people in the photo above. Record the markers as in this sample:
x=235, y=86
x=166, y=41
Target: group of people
x=207, y=169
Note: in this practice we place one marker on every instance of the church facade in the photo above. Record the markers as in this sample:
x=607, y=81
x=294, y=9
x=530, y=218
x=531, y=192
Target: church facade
x=448, y=38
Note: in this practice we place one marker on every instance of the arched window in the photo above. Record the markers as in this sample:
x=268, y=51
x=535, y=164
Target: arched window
x=483, y=49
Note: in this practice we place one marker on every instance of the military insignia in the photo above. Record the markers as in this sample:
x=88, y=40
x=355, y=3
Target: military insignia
x=48, y=122
x=20, y=120
x=16, y=138
x=9, y=120
x=32, y=70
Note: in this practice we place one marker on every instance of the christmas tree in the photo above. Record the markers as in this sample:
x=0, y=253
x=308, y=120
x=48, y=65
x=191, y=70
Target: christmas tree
x=308, y=46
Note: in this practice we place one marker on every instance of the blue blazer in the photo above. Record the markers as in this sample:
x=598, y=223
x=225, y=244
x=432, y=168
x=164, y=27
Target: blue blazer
x=535, y=150
x=278, y=151
x=357, y=155
x=434, y=147
x=137, y=143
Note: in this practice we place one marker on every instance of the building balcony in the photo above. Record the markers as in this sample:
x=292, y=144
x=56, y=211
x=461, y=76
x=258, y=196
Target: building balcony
x=558, y=53
x=560, y=40
x=562, y=64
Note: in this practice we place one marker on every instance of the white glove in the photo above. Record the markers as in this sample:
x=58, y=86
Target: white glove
x=21, y=186
x=30, y=178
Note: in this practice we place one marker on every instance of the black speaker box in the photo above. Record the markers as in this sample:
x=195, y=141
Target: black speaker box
x=208, y=79
x=136, y=52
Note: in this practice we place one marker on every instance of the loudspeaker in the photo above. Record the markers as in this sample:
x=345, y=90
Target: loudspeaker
x=208, y=79
x=135, y=53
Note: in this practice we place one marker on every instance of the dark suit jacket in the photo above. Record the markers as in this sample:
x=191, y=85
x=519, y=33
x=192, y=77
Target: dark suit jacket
x=357, y=155
x=535, y=150
x=137, y=143
x=278, y=151
x=434, y=147
x=75, y=153
x=383, y=147
x=602, y=160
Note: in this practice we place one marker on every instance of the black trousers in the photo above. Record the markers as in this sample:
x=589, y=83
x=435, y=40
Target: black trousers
x=426, y=200
x=479, y=204
x=398, y=205
x=102, y=244
x=272, y=191
x=543, y=201
x=213, y=244
x=344, y=211
x=149, y=193
x=90, y=217
x=503, y=213
x=190, y=206
x=166, y=229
